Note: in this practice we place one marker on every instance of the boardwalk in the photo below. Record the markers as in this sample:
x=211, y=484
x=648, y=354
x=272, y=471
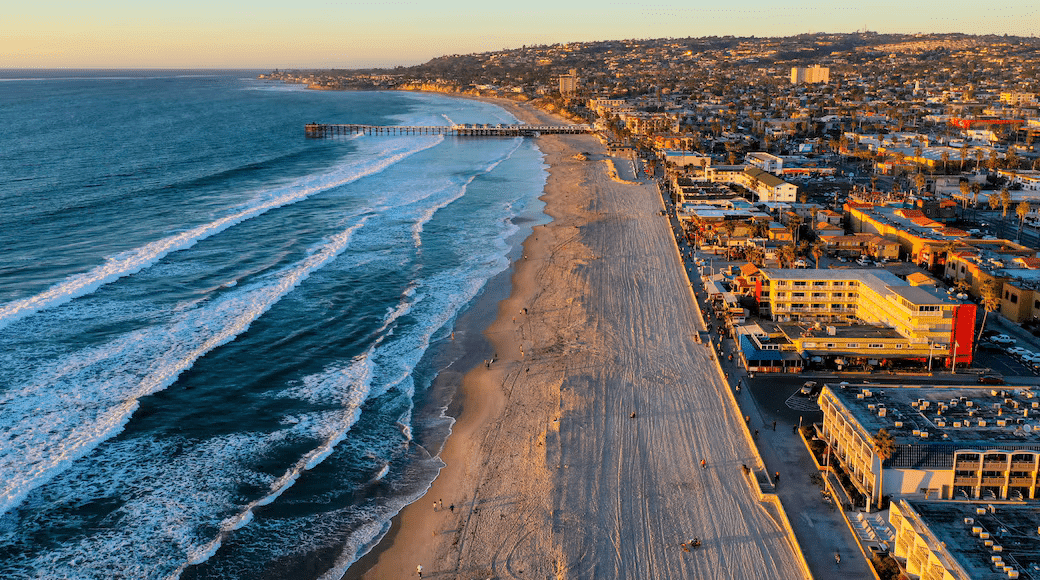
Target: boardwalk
x=322, y=130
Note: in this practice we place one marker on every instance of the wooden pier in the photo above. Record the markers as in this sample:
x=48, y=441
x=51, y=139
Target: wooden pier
x=323, y=130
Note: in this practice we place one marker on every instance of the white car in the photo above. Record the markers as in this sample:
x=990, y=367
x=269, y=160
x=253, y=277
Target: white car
x=1002, y=339
x=1017, y=351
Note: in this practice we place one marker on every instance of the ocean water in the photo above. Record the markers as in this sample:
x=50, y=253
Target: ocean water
x=216, y=335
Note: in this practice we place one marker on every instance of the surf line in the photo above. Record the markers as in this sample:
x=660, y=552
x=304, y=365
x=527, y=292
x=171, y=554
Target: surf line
x=133, y=261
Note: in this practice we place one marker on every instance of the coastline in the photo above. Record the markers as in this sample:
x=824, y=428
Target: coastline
x=478, y=398
x=578, y=453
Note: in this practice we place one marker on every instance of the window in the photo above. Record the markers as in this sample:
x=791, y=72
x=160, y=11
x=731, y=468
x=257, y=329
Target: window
x=839, y=283
x=781, y=282
x=819, y=294
x=818, y=306
x=876, y=345
x=852, y=345
x=837, y=295
x=853, y=283
x=798, y=294
x=836, y=306
x=853, y=295
x=830, y=345
x=1014, y=298
x=781, y=294
x=819, y=283
x=800, y=283
x=929, y=308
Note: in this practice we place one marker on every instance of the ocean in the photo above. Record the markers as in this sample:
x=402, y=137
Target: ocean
x=218, y=337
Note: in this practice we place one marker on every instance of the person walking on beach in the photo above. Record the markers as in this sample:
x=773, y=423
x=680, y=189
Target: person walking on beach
x=704, y=464
x=418, y=570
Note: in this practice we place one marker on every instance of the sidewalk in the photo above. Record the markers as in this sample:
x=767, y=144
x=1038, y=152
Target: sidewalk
x=818, y=526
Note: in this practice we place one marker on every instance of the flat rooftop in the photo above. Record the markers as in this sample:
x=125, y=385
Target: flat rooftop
x=1013, y=527
x=841, y=331
x=1005, y=417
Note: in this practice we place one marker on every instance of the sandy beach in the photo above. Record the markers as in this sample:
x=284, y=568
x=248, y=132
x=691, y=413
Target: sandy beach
x=548, y=474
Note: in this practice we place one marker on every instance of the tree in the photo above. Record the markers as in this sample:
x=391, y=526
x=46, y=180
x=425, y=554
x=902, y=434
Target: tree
x=919, y=182
x=989, y=293
x=884, y=445
x=794, y=225
x=965, y=190
x=785, y=254
x=945, y=158
x=817, y=251
x=1022, y=209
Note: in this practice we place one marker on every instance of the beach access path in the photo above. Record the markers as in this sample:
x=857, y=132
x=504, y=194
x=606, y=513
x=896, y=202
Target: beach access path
x=548, y=474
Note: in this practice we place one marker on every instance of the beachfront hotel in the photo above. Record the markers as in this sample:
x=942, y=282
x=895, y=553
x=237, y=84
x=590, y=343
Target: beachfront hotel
x=853, y=317
x=962, y=541
x=955, y=443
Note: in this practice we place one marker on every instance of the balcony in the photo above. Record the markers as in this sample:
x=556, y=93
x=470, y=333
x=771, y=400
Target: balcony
x=998, y=481
x=995, y=466
x=963, y=465
x=1022, y=466
x=1021, y=481
x=969, y=481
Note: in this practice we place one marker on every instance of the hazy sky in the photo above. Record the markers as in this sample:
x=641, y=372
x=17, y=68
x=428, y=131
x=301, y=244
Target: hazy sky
x=325, y=33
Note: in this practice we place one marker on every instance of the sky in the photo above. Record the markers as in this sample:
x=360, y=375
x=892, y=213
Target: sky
x=264, y=34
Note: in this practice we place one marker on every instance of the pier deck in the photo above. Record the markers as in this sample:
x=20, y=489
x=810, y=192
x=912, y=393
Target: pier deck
x=323, y=130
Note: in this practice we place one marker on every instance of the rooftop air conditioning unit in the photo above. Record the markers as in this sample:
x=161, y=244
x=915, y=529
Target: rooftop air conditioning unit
x=882, y=412
x=982, y=423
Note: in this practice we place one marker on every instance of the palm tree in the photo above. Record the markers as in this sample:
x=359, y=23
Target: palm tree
x=993, y=200
x=945, y=158
x=976, y=189
x=989, y=293
x=919, y=181
x=884, y=445
x=1005, y=205
x=965, y=190
x=885, y=448
x=1022, y=209
x=817, y=251
x=793, y=225
x=786, y=255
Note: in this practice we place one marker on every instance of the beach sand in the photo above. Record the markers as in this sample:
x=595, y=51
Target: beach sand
x=547, y=472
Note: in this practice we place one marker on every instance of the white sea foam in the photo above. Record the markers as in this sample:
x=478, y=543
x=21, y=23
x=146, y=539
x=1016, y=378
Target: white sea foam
x=65, y=411
x=350, y=386
x=132, y=261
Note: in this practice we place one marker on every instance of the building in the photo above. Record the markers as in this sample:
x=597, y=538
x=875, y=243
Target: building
x=1010, y=271
x=962, y=541
x=869, y=314
x=962, y=442
x=569, y=83
x=767, y=187
x=766, y=162
x=812, y=74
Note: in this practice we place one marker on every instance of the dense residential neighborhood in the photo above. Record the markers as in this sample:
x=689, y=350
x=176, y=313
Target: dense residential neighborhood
x=861, y=210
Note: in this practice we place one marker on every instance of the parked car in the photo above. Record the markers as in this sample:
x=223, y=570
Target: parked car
x=1002, y=339
x=808, y=387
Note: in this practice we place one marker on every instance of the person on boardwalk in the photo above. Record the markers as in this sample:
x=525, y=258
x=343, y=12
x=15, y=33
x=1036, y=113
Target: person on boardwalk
x=776, y=478
x=704, y=464
x=418, y=570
